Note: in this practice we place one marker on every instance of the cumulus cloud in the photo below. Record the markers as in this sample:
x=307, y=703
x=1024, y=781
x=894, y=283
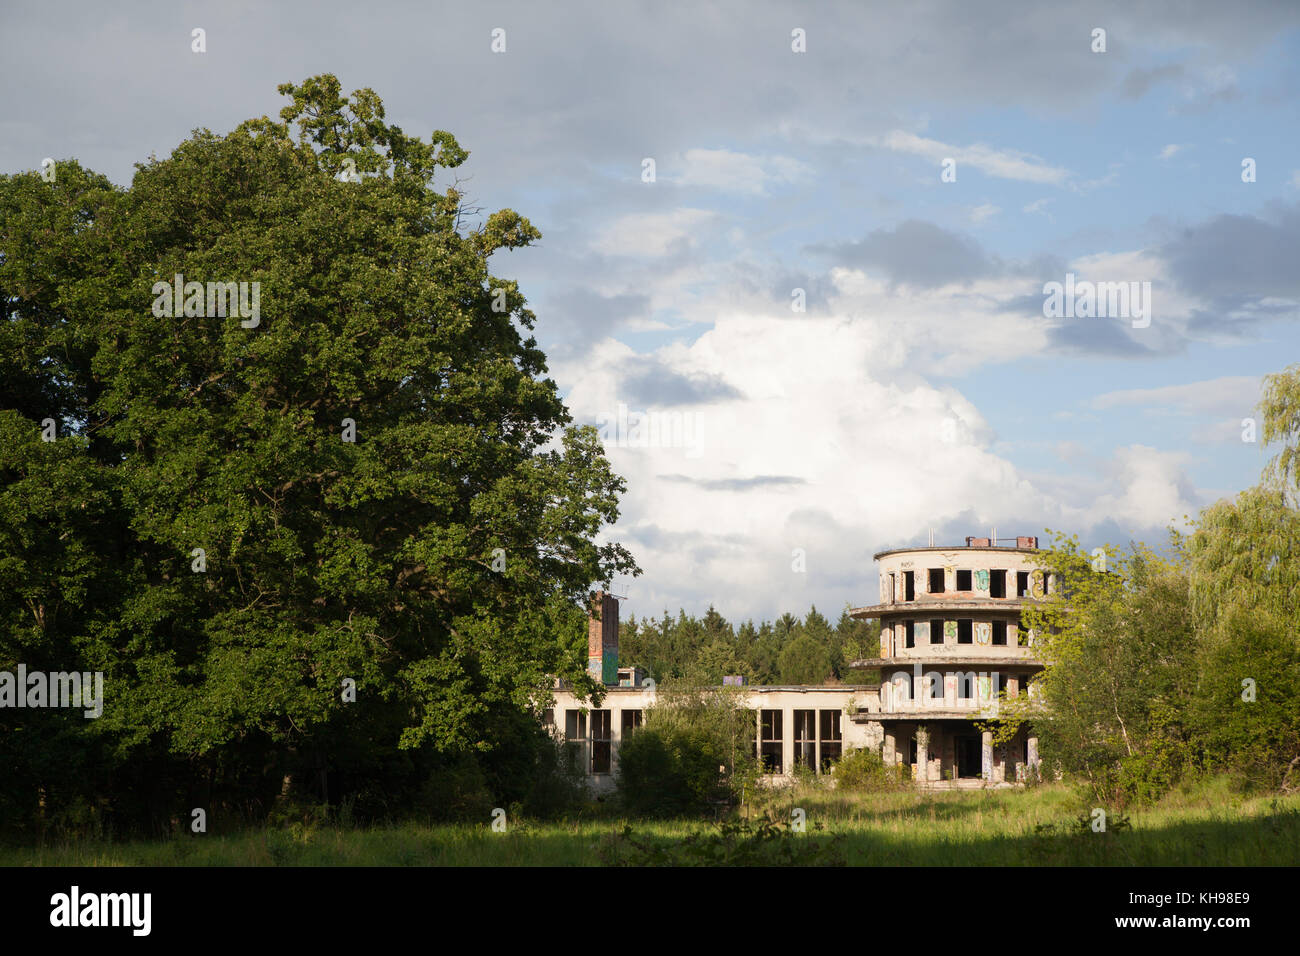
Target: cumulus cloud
x=651, y=233
x=730, y=171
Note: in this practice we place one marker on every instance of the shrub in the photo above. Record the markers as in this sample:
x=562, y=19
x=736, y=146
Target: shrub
x=863, y=770
x=693, y=753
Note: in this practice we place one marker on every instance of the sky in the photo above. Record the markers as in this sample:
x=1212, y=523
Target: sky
x=819, y=324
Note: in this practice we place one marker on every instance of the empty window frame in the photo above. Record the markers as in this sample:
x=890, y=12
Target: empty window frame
x=909, y=633
x=965, y=631
x=1000, y=633
x=772, y=739
x=966, y=684
x=631, y=720
x=936, y=685
x=997, y=584
x=831, y=738
x=548, y=717
x=909, y=585
x=805, y=738
x=936, y=580
x=600, y=741
x=964, y=581
x=1022, y=584
x=936, y=632
x=575, y=725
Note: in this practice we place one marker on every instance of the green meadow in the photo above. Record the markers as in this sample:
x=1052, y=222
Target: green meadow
x=1208, y=825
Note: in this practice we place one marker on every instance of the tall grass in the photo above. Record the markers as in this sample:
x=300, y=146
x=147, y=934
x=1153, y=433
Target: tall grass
x=1206, y=825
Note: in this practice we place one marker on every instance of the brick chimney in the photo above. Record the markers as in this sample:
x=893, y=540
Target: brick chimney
x=602, y=638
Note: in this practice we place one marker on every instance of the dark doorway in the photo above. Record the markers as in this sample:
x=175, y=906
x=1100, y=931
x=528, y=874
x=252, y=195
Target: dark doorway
x=970, y=762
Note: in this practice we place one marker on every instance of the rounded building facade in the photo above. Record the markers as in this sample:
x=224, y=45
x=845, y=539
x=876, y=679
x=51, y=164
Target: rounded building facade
x=951, y=647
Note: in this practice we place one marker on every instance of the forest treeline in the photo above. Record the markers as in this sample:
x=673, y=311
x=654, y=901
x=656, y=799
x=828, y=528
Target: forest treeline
x=789, y=650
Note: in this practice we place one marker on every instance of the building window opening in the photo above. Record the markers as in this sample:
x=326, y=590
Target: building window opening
x=575, y=725
x=832, y=740
x=600, y=741
x=772, y=740
x=909, y=585
x=631, y=721
x=1022, y=584
x=963, y=581
x=1000, y=633
x=997, y=584
x=936, y=580
x=909, y=633
x=970, y=756
x=965, y=631
x=936, y=632
x=936, y=686
x=965, y=685
x=805, y=738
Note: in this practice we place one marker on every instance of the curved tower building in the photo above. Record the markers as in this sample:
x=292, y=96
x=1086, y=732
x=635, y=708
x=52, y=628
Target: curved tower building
x=950, y=644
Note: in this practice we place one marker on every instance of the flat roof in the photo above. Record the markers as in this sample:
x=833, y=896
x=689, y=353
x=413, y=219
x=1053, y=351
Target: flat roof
x=954, y=547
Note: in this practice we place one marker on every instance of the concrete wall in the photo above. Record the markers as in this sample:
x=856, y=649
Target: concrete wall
x=854, y=735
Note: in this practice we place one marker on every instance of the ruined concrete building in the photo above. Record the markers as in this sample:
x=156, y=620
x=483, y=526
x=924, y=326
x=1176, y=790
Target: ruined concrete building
x=950, y=644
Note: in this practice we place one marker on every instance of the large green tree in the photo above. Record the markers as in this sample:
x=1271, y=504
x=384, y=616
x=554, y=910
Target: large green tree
x=384, y=485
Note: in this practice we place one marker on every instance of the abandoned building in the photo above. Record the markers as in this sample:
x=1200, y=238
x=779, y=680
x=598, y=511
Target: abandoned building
x=950, y=643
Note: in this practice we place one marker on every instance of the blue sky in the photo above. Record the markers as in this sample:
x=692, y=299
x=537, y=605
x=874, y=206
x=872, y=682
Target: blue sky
x=923, y=387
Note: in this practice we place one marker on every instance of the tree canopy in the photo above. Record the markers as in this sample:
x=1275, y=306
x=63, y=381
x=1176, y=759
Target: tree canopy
x=359, y=473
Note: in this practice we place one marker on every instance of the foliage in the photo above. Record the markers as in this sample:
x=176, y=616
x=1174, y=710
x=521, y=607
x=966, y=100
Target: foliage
x=863, y=770
x=326, y=558
x=733, y=843
x=1160, y=668
x=1118, y=651
x=693, y=753
x=789, y=650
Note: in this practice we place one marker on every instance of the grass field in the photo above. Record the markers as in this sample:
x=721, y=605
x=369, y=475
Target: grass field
x=1208, y=825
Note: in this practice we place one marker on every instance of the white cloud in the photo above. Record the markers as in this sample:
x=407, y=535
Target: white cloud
x=827, y=440
x=1171, y=150
x=1002, y=163
x=650, y=234
x=1151, y=490
x=738, y=172
x=983, y=211
x=1227, y=395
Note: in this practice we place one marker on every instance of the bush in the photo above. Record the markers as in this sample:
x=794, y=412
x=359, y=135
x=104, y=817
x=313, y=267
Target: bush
x=693, y=753
x=863, y=770
x=457, y=792
x=558, y=783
